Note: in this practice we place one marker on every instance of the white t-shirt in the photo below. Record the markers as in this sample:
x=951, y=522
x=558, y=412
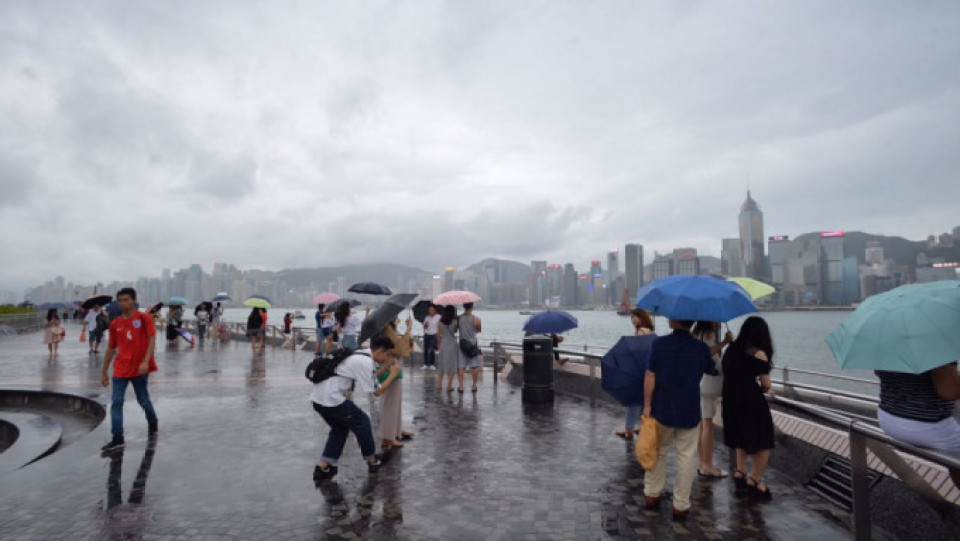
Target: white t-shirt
x=91, y=319
x=358, y=368
x=203, y=317
x=431, y=324
x=351, y=325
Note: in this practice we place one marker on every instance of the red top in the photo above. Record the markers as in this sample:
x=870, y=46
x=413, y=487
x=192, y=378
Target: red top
x=131, y=338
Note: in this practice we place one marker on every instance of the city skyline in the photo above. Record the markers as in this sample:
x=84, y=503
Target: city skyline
x=144, y=137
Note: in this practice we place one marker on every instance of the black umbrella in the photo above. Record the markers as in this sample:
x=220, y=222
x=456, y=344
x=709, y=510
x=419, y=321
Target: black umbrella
x=332, y=307
x=382, y=316
x=99, y=300
x=421, y=310
x=370, y=288
x=207, y=305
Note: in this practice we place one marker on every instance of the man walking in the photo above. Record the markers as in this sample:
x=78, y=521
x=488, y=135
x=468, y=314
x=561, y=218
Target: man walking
x=341, y=414
x=671, y=395
x=90, y=327
x=132, y=341
x=430, y=326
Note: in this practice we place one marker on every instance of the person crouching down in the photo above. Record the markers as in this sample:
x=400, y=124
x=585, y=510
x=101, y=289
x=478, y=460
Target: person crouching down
x=341, y=414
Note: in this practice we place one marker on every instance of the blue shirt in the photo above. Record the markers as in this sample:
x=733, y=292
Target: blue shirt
x=679, y=361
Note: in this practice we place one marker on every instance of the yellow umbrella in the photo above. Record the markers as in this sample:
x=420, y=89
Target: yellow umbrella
x=755, y=288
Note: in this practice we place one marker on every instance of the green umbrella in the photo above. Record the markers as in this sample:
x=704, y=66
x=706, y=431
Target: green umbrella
x=913, y=329
x=755, y=288
x=257, y=302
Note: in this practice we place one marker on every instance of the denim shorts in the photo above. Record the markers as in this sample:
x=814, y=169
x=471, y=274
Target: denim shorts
x=255, y=332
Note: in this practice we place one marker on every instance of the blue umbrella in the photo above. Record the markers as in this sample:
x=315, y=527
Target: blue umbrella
x=549, y=322
x=695, y=298
x=624, y=367
x=178, y=300
x=370, y=288
x=221, y=297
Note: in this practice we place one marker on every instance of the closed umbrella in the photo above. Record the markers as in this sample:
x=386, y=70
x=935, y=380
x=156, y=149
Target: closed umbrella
x=326, y=298
x=96, y=300
x=911, y=329
x=755, y=288
x=370, y=288
x=549, y=322
x=624, y=367
x=695, y=298
x=384, y=314
x=456, y=297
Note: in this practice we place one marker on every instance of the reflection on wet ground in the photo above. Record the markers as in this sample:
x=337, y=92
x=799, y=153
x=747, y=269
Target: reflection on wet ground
x=238, y=441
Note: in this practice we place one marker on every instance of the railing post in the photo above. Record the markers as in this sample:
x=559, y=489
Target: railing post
x=593, y=384
x=861, y=486
x=786, y=380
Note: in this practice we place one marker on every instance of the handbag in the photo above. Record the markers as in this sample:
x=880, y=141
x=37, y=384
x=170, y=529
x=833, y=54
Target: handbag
x=469, y=348
x=648, y=443
x=83, y=336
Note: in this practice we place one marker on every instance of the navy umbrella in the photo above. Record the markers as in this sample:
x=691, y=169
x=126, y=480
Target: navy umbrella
x=624, y=367
x=370, y=288
x=54, y=305
x=221, y=297
x=549, y=322
x=113, y=309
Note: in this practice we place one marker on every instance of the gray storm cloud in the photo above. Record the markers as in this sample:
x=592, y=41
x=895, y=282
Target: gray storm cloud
x=135, y=137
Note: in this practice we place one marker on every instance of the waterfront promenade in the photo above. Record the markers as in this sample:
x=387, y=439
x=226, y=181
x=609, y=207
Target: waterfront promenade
x=238, y=440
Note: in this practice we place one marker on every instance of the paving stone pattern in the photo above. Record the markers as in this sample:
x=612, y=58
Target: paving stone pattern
x=238, y=441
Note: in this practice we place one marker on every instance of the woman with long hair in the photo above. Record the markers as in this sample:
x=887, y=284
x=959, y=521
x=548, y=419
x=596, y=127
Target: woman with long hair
x=449, y=347
x=392, y=433
x=347, y=326
x=642, y=326
x=52, y=332
x=711, y=387
x=255, y=329
x=747, y=423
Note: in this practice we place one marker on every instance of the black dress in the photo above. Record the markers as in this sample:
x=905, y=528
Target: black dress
x=747, y=423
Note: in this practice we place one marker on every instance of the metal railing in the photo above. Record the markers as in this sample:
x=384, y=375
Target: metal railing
x=865, y=437
x=592, y=360
x=20, y=323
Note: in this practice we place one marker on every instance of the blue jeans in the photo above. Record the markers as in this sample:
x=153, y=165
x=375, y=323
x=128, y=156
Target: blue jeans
x=116, y=405
x=201, y=330
x=343, y=420
x=633, y=413
x=349, y=341
x=429, y=350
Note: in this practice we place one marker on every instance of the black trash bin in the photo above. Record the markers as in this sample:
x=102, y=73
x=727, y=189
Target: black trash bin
x=537, y=369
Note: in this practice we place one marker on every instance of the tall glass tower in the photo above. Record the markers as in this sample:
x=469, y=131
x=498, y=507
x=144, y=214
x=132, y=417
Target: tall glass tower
x=751, y=239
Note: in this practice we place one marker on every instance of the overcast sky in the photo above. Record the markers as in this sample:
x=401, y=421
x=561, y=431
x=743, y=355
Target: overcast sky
x=280, y=134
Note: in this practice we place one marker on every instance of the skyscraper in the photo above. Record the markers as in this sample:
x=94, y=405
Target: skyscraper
x=751, y=238
x=633, y=266
x=730, y=262
x=448, y=277
x=613, y=272
x=569, y=292
x=776, y=254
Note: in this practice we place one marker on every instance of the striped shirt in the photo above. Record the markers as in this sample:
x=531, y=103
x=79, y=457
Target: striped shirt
x=912, y=396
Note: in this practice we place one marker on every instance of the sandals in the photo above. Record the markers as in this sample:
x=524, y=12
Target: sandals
x=755, y=492
x=405, y=436
x=716, y=473
x=739, y=483
x=625, y=434
x=460, y=390
x=449, y=389
x=390, y=444
x=473, y=389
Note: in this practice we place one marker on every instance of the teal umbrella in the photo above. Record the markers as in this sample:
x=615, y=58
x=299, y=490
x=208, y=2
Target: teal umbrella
x=913, y=329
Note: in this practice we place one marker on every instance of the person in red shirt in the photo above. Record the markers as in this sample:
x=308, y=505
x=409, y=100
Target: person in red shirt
x=133, y=338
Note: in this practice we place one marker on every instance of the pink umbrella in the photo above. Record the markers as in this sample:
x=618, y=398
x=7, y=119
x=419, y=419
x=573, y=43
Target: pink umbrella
x=326, y=298
x=456, y=297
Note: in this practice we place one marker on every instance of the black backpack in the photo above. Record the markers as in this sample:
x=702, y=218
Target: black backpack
x=103, y=323
x=322, y=367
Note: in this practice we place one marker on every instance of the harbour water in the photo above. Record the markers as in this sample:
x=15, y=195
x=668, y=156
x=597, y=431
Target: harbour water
x=799, y=337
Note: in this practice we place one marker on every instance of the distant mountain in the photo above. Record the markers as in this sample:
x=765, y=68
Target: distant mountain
x=389, y=274
x=899, y=249
x=511, y=272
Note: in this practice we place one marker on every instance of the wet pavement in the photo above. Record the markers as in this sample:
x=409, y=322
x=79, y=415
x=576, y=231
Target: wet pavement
x=238, y=441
